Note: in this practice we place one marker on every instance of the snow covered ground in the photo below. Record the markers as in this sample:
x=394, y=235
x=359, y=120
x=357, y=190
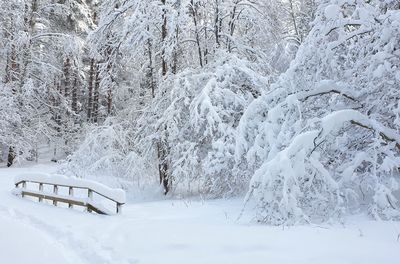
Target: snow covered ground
x=178, y=232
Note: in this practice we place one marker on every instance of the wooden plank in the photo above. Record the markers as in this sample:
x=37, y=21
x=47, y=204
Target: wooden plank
x=50, y=183
x=106, y=197
x=90, y=207
x=54, y=198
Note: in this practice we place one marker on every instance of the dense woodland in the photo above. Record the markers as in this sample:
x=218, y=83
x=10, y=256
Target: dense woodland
x=293, y=103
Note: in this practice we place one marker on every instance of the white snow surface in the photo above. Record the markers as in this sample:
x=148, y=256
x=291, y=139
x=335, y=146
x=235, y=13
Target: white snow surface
x=178, y=231
x=332, y=12
x=117, y=195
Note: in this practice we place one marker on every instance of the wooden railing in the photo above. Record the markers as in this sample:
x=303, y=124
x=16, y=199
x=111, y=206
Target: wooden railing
x=70, y=199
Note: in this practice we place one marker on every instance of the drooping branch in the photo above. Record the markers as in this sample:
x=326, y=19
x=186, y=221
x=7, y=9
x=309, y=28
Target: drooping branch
x=354, y=24
x=331, y=91
x=336, y=120
x=381, y=133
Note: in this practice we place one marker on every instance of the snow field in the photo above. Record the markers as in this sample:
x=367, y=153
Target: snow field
x=178, y=232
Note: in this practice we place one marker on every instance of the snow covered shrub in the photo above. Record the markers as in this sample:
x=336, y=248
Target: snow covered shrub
x=107, y=155
x=324, y=140
x=197, y=114
x=10, y=123
x=23, y=122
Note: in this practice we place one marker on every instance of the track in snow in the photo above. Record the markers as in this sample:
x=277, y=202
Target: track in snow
x=177, y=232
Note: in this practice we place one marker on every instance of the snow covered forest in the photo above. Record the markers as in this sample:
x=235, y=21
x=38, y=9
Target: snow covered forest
x=292, y=104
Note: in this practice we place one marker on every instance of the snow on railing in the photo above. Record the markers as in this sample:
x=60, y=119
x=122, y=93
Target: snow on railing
x=115, y=195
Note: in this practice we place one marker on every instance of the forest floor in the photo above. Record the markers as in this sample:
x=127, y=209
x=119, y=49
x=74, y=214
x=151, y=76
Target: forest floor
x=178, y=231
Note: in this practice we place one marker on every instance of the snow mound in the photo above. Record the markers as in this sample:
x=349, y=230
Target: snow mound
x=332, y=12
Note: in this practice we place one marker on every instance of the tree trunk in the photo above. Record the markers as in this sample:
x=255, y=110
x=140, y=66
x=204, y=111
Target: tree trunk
x=11, y=156
x=176, y=48
x=110, y=85
x=163, y=37
x=109, y=101
x=90, y=90
x=74, y=103
x=206, y=46
x=162, y=150
x=217, y=20
x=67, y=77
x=163, y=166
x=196, y=31
x=13, y=68
x=151, y=66
x=95, y=109
x=293, y=16
x=231, y=25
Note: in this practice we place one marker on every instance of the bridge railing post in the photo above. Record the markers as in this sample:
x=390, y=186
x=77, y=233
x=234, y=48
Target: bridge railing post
x=119, y=207
x=55, y=191
x=90, y=196
x=71, y=193
x=23, y=187
x=40, y=190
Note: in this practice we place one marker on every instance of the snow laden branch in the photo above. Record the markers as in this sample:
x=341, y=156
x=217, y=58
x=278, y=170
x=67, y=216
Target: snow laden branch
x=295, y=186
x=200, y=117
x=324, y=140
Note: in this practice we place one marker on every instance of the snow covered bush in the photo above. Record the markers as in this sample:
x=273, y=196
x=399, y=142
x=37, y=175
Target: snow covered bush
x=10, y=124
x=107, y=155
x=324, y=140
x=196, y=115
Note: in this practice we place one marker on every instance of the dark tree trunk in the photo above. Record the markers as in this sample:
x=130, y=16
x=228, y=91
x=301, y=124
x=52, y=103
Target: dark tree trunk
x=151, y=66
x=109, y=72
x=109, y=101
x=162, y=149
x=293, y=16
x=175, y=58
x=196, y=31
x=67, y=77
x=11, y=156
x=206, y=46
x=162, y=153
x=12, y=68
x=216, y=23
x=90, y=90
x=163, y=37
x=231, y=25
x=95, y=109
x=74, y=103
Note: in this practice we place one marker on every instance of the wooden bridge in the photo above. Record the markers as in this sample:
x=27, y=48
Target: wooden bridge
x=58, y=181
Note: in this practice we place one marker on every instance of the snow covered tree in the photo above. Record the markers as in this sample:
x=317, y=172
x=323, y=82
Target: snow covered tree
x=156, y=43
x=200, y=115
x=324, y=140
x=43, y=69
